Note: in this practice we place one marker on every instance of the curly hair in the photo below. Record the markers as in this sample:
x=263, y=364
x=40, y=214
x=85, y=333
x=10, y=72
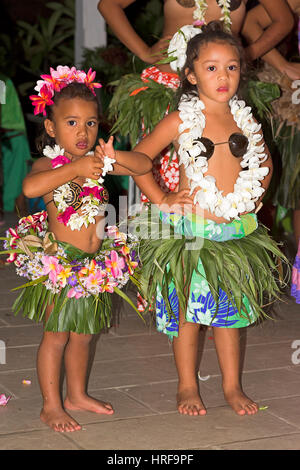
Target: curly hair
x=71, y=91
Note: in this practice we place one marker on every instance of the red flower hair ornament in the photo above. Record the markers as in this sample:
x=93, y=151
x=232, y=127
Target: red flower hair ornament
x=56, y=81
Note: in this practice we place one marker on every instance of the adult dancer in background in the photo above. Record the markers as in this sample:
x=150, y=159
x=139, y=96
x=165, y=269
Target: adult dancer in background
x=257, y=21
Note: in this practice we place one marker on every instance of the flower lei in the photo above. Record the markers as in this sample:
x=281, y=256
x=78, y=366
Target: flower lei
x=109, y=270
x=56, y=81
x=178, y=43
x=92, y=194
x=247, y=188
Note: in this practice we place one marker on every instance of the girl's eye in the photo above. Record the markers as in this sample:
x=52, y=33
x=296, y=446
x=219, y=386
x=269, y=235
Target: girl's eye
x=211, y=68
x=91, y=123
x=232, y=67
x=72, y=123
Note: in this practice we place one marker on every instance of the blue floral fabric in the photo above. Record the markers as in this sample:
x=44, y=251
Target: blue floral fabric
x=201, y=307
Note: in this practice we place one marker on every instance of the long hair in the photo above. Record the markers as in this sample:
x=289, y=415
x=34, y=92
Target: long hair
x=71, y=91
x=213, y=32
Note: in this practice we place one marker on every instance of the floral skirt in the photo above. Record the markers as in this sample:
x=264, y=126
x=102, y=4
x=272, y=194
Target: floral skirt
x=70, y=312
x=295, y=290
x=217, y=274
x=76, y=285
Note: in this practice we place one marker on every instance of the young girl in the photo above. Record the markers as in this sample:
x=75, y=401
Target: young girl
x=217, y=278
x=135, y=95
x=78, y=274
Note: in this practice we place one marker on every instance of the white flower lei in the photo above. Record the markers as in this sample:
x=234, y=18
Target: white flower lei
x=90, y=204
x=178, y=43
x=247, y=188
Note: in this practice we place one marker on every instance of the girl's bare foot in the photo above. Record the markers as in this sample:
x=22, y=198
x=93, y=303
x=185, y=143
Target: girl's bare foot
x=240, y=403
x=189, y=402
x=58, y=420
x=86, y=403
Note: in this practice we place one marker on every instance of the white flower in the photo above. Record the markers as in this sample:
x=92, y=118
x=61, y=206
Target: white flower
x=162, y=323
x=108, y=165
x=178, y=44
x=39, y=85
x=53, y=152
x=247, y=188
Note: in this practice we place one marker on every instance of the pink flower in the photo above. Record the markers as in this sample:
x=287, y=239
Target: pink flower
x=108, y=287
x=87, y=191
x=112, y=231
x=198, y=23
x=89, y=81
x=4, y=399
x=42, y=100
x=75, y=292
x=63, y=276
x=51, y=83
x=114, y=264
x=14, y=236
x=62, y=73
x=12, y=257
x=51, y=267
x=79, y=76
x=64, y=217
x=60, y=160
x=95, y=279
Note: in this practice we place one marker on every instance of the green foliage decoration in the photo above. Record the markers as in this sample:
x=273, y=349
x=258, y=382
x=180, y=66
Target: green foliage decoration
x=49, y=42
x=148, y=106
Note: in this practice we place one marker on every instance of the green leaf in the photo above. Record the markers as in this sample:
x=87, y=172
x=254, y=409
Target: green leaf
x=125, y=297
x=31, y=283
x=52, y=23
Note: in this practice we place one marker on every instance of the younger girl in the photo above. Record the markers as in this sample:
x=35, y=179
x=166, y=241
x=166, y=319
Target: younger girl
x=219, y=278
x=73, y=275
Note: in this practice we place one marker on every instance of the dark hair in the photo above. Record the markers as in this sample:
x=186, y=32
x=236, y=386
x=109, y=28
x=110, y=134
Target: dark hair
x=212, y=32
x=71, y=91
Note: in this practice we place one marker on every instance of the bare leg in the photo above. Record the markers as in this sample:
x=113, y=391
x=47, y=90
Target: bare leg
x=76, y=363
x=185, y=349
x=49, y=361
x=227, y=342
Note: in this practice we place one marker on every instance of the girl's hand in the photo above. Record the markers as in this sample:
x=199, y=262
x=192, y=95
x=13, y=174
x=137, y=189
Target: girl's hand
x=89, y=166
x=105, y=149
x=175, y=201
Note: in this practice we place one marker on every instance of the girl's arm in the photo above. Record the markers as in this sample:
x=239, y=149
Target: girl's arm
x=114, y=15
x=280, y=23
x=127, y=162
x=164, y=133
x=43, y=178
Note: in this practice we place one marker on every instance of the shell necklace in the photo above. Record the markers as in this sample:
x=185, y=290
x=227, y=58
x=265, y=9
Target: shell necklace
x=247, y=188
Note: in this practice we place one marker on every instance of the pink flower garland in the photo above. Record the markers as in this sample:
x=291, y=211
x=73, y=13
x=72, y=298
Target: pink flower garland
x=56, y=81
x=93, y=194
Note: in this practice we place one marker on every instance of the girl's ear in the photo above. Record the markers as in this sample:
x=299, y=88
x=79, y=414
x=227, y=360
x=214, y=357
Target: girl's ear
x=190, y=76
x=50, y=128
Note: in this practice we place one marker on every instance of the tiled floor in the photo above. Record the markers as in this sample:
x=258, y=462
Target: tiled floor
x=134, y=369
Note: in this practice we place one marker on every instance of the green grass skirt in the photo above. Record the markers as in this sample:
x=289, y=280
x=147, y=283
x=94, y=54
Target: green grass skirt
x=238, y=259
x=88, y=315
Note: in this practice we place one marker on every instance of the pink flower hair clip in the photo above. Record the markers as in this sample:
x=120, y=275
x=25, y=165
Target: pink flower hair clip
x=56, y=81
